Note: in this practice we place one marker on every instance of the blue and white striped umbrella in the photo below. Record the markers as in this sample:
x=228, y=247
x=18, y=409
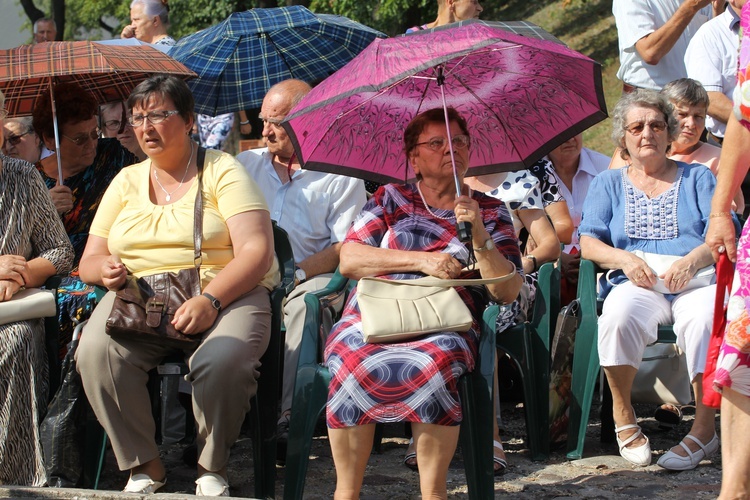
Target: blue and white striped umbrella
x=239, y=59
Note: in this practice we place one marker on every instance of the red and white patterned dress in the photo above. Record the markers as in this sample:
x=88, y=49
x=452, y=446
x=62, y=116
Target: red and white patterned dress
x=413, y=381
x=733, y=366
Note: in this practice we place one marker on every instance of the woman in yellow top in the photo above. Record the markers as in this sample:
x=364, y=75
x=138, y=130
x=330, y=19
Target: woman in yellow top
x=144, y=226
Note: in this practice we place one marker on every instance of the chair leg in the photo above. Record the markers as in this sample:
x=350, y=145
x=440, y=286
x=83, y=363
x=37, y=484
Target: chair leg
x=264, y=449
x=536, y=395
x=309, y=402
x=476, y=436
x=95, y=448
x=585, y=374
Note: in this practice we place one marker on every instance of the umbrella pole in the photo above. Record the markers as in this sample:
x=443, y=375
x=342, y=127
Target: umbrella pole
x=462, y=228
x=57, y=135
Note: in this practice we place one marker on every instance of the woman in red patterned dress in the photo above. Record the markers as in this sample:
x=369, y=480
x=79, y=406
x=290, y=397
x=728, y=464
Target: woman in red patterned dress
x=406, y=232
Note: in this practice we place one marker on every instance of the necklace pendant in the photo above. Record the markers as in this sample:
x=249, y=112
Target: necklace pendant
x=168, y=198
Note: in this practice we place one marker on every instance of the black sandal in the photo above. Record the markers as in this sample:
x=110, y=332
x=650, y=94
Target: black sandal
x=668, y=415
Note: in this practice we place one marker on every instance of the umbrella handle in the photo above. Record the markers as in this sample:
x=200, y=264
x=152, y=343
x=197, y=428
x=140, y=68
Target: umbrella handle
x=463, y=229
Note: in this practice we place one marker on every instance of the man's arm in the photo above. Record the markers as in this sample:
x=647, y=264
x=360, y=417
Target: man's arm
x=657, y=44
x=719, y=106
x=325, y=261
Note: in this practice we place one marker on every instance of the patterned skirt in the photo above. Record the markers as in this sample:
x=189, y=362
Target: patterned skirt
x=733, y=365
x=23, y=398
x=415, y=381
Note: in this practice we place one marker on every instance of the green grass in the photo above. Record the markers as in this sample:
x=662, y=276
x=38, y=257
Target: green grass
x=586, y=26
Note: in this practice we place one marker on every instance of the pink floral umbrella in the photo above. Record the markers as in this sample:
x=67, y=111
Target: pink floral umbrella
x=521, y=98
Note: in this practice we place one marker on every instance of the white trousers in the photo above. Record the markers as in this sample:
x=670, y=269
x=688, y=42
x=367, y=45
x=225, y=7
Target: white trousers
x=631, y=315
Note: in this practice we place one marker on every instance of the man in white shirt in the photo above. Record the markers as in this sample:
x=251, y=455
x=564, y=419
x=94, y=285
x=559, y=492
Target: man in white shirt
x=316, y=210
x=711, y=59
x=653, y=36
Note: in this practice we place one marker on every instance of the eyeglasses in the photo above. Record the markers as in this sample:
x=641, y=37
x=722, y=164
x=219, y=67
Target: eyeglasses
x=13, y=140
x=114, y=125
x=438, y=143
x=154, y=117
x=636, y=128
x=82, y=139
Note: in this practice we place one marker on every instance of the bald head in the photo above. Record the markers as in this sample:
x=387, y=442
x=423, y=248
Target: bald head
x=292, y=90
x=277, y=103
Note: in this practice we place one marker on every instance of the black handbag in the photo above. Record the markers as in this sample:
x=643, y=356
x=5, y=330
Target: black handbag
x=144, y=308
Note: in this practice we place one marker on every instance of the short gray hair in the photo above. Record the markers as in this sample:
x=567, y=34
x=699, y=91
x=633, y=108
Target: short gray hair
x=24, y=121
x=153, y=8
x=686, y=91
x=641, y=98
x=45, y=20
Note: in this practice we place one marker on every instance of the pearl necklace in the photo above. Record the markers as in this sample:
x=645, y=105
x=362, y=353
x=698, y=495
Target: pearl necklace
x=187, y=167
x=419, y=190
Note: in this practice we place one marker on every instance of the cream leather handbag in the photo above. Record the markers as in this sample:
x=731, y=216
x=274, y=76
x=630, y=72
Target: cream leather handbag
x=396, y=310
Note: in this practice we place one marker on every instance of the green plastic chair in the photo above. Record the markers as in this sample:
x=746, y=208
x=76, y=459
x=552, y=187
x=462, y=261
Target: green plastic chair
x=586, y=362
x=264, y=407
x=528, y=345
x=311, y=394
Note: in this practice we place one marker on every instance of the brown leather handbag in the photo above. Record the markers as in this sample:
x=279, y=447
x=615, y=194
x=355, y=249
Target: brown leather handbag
x=144, y=308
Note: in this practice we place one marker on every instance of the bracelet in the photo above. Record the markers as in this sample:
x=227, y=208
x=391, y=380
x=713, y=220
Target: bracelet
x=533, y=261
x=714, y=215
x=247, y=122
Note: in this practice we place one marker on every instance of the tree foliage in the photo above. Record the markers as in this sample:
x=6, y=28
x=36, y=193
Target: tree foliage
x=77, y=18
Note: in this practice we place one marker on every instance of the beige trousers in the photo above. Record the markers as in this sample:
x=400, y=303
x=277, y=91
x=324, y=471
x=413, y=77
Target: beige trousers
x=223, y=374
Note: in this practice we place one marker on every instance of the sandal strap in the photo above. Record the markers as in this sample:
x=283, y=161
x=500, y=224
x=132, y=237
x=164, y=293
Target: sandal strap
x=696, y=441
x=626, y=427
x=624, y=443
x=498, y=444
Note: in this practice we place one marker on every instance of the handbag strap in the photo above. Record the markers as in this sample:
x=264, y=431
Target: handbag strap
x=724, y=279
x=198, y=212
x=433, y=281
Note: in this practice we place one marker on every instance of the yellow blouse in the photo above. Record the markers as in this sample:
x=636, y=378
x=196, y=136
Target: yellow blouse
x=152, y=239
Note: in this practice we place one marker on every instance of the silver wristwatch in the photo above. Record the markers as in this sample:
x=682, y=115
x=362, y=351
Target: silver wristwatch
x=489, y=244
x=300, y=275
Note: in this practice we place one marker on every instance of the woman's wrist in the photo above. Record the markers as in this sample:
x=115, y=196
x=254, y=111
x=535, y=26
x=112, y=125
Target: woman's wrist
x=715, y=215
x=532, y=259
x=246, y=122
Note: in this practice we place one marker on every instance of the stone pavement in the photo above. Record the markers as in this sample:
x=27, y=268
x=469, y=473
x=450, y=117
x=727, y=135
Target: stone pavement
x=602, y=473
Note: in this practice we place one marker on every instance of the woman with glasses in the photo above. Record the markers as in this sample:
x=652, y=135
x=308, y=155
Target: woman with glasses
x=690, y=102
x=114, y=124
x=658, y=206
x=20, y=140
x=33, y=247
x=88, y=166
x=405, y=232
x=144, y=226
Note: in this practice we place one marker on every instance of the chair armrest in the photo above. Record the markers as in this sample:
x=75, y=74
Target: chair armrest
x=587, y=294
x=547, y=301
x=311, y=344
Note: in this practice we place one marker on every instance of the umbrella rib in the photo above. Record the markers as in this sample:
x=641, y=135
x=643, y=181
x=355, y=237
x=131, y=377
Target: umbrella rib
x=489, y=108
x=280, y=53
x=377, y=94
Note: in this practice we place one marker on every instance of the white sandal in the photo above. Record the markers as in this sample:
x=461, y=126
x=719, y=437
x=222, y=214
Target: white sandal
x=211, y=485
x=142, y=483
x=672, y=461
x=639, y=455
x=503, y=463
